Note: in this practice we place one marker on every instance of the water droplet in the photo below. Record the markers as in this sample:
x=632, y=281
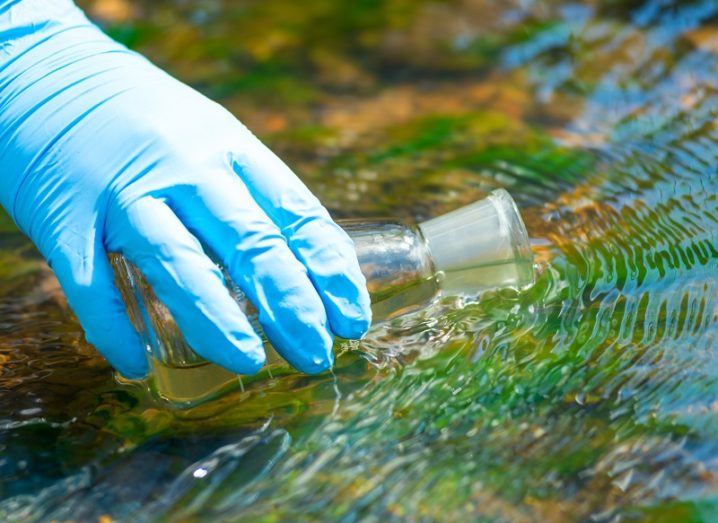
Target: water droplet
x=200, y=472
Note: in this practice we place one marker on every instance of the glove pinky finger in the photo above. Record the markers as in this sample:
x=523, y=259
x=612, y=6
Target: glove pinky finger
x=86, y=277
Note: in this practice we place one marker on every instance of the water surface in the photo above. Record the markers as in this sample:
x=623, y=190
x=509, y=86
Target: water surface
x=591, y=397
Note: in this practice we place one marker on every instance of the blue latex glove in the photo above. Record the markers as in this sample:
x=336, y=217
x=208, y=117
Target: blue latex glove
x=100, y=151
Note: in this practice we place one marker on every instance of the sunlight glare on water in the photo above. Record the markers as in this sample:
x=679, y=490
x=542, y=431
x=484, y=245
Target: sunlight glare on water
x=591, y=396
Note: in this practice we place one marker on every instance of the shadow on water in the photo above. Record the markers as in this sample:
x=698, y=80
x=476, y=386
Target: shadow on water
x=592, y=396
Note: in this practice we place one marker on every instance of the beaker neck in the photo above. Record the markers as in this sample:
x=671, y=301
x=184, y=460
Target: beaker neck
x=396, y=262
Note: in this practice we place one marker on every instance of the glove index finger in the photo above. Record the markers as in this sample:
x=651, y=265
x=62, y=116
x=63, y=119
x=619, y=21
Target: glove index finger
x=319, y=243
x=151, y=236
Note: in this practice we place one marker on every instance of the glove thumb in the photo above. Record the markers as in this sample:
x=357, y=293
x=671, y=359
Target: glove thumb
x=84, y=272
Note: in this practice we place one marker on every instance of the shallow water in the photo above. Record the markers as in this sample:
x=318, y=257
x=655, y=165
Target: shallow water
x=591, y=397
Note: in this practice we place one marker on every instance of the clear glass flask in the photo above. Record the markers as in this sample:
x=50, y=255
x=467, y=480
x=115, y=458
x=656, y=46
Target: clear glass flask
x=478, y=247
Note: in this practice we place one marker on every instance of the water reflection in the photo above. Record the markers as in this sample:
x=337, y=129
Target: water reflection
x=591, y=396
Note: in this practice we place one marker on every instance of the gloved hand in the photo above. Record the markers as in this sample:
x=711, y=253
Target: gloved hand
x=100, y=151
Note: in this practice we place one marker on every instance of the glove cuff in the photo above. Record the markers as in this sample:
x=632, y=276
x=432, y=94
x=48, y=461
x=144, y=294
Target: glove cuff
x=35, y=37
x=25, y=23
